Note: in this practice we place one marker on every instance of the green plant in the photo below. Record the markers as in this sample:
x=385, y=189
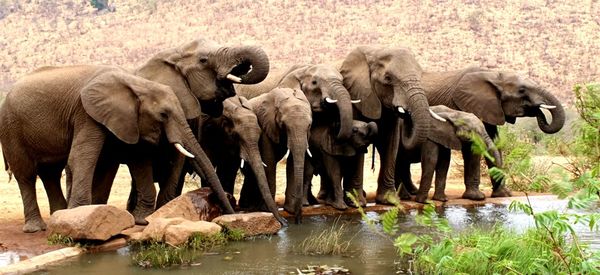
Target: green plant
x=99, y=4
x=58, y=239
x=327, y=242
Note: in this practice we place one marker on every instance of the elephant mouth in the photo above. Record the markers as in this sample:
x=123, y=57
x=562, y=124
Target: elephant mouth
x=241, y=69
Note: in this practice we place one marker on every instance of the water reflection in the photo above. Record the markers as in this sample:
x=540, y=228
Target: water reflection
x=9, y=257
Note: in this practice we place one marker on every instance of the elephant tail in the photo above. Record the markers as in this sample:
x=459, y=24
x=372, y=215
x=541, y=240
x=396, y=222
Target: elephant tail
x=7, y=168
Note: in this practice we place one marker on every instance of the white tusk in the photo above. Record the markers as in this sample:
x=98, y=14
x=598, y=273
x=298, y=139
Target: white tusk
x=286, y=154
x=234, y=78
x=354, y=101
x=436, y=116
x=183, y=151
x=329, y=100
x=401, y=110
x=242, y=164
x=264, y=164
x=308, y=152
x=547, y=106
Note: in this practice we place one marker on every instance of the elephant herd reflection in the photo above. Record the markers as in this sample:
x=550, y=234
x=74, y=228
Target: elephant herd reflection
x=202, y=106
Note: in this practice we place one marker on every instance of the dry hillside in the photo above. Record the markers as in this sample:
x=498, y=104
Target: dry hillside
x=554, y=42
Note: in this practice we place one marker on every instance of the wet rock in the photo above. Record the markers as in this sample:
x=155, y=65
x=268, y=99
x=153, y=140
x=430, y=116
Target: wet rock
x=197, y=205
x=155, y=230
x=256, y=223
x=133, y=233
x=179, y=233
x=90, y=222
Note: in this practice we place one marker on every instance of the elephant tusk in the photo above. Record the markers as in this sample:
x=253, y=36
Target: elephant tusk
x=547, y=106
x=286, y=154
x=401, y=110
x=234, y=78
x=264, y=164
x=436, y=116
x=329, y=100
x=355, y=101
x=242, y=164
x=308, y=152
x=183, y=151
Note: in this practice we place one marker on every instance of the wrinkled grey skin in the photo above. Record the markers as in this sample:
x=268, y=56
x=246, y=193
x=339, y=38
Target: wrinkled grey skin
x=234, y=137
x=285, y=118
x=338, y=163
x=434, y=154
x=495, y=97
x=385, y=79
x=58, y=116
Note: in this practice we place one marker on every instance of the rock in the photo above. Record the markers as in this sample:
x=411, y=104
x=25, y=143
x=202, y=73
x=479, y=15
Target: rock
x=196, y=205
x=133, y=233
x=90, y=222
x=256, y=223
x=155, y=230
x=179, y=233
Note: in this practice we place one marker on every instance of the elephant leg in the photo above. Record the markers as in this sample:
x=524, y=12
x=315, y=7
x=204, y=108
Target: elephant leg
x=33, y=217
x=309, y=198
x=104, y=176
x=353, y=173
x=404, y=179
x=498, y=187
x=334, y=178
x=85, y=150
x=227, y=173
x=170, y=189
x=250, y=197
x=441, y=172
x=429, y=159
x=50, y=176
x=472, y=175
x=141, y=173
x=387, y=147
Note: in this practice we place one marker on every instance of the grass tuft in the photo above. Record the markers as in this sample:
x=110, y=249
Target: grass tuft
x=327, y=242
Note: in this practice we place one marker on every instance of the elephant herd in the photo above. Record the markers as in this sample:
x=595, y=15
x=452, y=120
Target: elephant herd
x=208, y=109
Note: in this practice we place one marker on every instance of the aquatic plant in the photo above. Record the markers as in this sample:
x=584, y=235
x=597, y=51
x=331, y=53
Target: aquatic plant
x=330, y=241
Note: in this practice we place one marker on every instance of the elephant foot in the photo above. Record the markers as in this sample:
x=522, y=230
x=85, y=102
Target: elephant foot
x=421, y=198
x=361, y=200
x=322, y=195
x=388, y=197
x=140, y=214
x=404, y=194
x=310, y=200
x=410, y=188
x=473, y=194
x=501, y=192
x=289, y=207
x=338, y=204
x=440, y=197
x=35, y=225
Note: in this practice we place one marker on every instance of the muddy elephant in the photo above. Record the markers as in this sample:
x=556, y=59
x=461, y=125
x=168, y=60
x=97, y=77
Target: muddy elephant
x=231, y=141
x=338, y=162
x=495, y=97
x=285, y=118
x=452, y=130
x=64, y=115
x=388, y=81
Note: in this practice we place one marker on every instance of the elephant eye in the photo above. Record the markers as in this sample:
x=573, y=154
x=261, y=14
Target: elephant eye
x=203, y=60
x=387, y=78
x=314, y=82
x=521, y=90
x=164, y=115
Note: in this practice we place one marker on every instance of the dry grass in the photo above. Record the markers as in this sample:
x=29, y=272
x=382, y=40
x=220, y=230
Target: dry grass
x=330, y=241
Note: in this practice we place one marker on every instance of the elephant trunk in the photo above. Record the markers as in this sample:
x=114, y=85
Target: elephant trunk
x=558, y=114
x=179, y=133
x=491, y=148
x=416, y=126
x=345, y=110
x=298, y=145
x=256, y=164
x=248, y=63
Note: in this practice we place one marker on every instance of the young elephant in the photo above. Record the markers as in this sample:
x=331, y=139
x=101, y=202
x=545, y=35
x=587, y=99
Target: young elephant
x=285, y=118
x=452, y=134
x=59, y=116
x=338, y=161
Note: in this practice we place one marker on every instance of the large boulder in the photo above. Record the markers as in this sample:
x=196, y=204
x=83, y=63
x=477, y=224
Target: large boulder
x=178, y=234
x=256, y=223
x=90, y=222
x=157, y=227
x=197, y=205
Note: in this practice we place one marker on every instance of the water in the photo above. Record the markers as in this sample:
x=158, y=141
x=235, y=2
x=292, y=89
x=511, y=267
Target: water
x=369, y=253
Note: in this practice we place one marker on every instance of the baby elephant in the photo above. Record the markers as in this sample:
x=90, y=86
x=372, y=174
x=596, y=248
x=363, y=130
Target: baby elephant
x=336, y=160
x=452, y=134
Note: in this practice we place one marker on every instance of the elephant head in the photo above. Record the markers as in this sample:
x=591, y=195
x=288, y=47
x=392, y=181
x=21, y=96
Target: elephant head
x=202, y=73
x=388, y=78
x=285, y=116
x=324, y=89
x=134, y=108
x=499, y=97
x=242, y=124
x=363, y=134
x=458, y=128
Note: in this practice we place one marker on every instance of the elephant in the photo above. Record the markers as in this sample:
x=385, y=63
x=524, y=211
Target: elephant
x=337, y=160
x=231, y=141
x=495, y=97
x=453, y=130
x=284, y=116
x=57, y=116
x=388, y=81
x=201, y=73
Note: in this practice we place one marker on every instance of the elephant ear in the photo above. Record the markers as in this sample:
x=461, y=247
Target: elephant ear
x=245, y=103
x=357, y=79
x=292, y=77
x=163, y=68
x=443, y=133
x=266, y=113
x=479, y=93
x=111, y=99
x=326, y=141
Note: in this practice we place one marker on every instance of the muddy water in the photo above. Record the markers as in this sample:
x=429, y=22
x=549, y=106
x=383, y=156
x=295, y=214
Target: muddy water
x=370, y=253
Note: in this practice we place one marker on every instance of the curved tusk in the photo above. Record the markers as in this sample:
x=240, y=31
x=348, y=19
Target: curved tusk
x=547, y=106
x=329, y=100
x=242, y=164
x=401, y=110
x=286, y=154
x=308, y=152
x=264, y=164
x=436, y=116
x=234, y=78
x=354, y=101
x=183, y=151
